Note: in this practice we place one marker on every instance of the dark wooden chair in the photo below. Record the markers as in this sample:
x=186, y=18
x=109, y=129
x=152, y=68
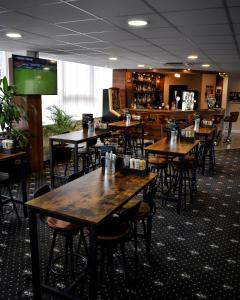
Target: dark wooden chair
x=65, y=229
x=117, y=230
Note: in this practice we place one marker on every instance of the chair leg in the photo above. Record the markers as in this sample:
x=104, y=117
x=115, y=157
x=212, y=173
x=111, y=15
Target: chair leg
x=111, y=269
x=71, y=257
x=13, y=202
x=122, y=245
x=50, y=256
x=1, y=214
x=149, y=238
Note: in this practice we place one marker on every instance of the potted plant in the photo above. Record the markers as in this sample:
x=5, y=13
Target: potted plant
x=10, y=115
x=62, y=122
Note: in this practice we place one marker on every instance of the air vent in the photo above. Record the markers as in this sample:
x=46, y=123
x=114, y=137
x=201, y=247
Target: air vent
x=177, y=64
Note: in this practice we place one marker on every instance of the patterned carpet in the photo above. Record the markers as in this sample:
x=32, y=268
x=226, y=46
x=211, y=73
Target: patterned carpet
x=195, y=255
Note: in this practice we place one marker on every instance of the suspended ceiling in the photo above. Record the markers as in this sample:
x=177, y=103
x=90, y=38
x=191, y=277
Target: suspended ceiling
x=91, y=31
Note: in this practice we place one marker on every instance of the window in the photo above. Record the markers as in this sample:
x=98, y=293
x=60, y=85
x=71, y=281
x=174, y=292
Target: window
x=80, y=90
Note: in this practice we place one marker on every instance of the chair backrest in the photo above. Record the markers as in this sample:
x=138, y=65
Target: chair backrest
x=150, y=197
x=42, y=190
x=61, y=153
x=234, y=116
x=127, y=215
x=75, y=176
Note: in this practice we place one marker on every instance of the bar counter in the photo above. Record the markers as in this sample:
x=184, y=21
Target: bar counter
x=155, y=119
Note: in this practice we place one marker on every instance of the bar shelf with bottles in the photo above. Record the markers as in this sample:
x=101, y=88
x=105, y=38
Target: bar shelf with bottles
x=145, y=86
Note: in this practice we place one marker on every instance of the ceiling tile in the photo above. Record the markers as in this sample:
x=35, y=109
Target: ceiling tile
x=12, y=19
x=96, y=45
x=234, y=13
x=156, y=32
x=236, y=28
x=56, y=13
x=216, y=29
x=109, y=8
x=47, y=42
x=89, y=26
x=219, y=46
x=14, y=4
x=178, y=5
x=225, y=58
x=233, y=3
x=113, y=35
x=48, y=29
x=75, y=38
x=213, y=39
x=197, y=17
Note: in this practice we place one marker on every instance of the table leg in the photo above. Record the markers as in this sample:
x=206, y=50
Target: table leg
x=92, y=263
x=33, y=230
x=204, y=157
x=179, y=202
x=51, y=163
x=24, y=184
x=75, y=158
x=142, y=138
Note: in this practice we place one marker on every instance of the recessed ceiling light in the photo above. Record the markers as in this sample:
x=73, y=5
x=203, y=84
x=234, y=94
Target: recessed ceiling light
x=177, y=75
x=205, y=65
x=113, y=58
x=137, y=23
x=141, y=66
x=14, y=35
x=192, y=57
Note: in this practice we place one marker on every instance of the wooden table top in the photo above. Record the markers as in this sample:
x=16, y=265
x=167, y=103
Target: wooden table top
x=166, y=147
x=203, y=131
x=4, y=156
x=78, y=136
x=124, y=124
x=92, y=197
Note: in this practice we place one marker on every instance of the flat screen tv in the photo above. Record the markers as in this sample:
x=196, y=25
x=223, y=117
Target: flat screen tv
x=34, y=76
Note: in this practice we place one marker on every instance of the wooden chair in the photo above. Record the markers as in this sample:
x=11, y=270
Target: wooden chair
x=147, y=210
x=61, y=228
x=117, y=230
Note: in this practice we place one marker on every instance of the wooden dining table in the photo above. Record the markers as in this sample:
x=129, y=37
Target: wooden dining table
x=173, y=148
x=88, y=200
x=125, y=126
x=75, y=138
x=22, y=157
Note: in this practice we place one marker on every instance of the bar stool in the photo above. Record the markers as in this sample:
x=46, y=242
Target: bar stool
x=65, y=229
x=117, y=230
x=145, y=215
x=230, y=119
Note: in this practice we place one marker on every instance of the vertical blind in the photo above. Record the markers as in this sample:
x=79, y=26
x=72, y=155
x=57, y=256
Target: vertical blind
x=80, y=90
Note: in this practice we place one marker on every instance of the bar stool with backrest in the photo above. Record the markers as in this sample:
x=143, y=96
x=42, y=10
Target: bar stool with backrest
x=145, y=216
x=230, y=119
x=116, y=230
x=61, y=228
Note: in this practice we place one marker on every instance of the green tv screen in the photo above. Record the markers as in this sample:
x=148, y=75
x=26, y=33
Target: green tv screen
x=34, y=76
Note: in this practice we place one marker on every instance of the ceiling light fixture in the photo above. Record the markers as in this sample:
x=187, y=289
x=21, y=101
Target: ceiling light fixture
x=177, y=75
x=192, y=57
x=137, y=23
x=13, y=35
x=113, y=58
x=205, y=65
x=141, y=66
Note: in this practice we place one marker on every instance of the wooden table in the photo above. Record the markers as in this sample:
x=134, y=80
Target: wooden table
x=172, y=149
x=88, y=200
x=22, y=156
x=75, y=138
x=125, y=126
